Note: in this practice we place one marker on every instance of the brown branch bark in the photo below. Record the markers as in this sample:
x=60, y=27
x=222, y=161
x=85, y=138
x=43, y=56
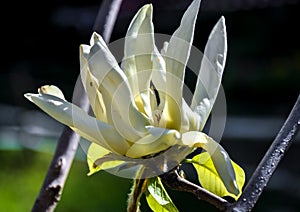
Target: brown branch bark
x=51, y=190
x=176, y=182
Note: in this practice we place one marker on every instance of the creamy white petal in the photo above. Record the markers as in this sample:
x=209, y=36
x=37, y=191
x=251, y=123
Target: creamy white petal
x=51, y=90
x=91, y=85
x=158, y=86
x=125, y=129
x=88, y=127
x=139, y=40
x=139, y=46
x=157, y=140
x=164, y=49
x=219, y=156
x=211, y=71
x=171, y=117
x=192, y=120
x=112, y=79
x=159, y=72
x=176, y=58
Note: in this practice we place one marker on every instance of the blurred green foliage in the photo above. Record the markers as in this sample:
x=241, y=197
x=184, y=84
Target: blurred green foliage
x=22, y=174
x=20, y=178
x=23, y=171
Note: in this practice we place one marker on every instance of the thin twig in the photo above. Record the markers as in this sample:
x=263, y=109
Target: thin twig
x=105, y=24
x=268, y=164
x=176, y=182
x=66, y=148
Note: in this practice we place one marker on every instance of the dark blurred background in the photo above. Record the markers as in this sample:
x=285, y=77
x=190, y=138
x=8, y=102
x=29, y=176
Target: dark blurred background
x=40, y=44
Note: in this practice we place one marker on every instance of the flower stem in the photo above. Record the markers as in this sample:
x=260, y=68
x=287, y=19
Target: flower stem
x=138, y=188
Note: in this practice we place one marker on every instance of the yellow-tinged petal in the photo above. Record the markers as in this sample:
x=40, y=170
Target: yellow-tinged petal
x=218, y=155
x=164, y=49
x=209, y=178
x=211, y=71
x=117, y=97
x=137, y=63
x=86, y=126
x=192, y=119
x=159, y=77
x=172, y=114
x=126, y=130
x=51, y=90
x=139, y=42
x=176, y=58
x=157, y=140
x=181, y=118
x=91, y=85
x=158, y=71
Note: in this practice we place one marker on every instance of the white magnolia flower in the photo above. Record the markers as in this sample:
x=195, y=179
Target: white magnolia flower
x=139, y=109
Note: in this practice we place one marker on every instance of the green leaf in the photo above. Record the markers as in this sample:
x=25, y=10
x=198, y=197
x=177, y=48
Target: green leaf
x=99, y=158
x=219, y=156
x=211, y=180
x=158, y=198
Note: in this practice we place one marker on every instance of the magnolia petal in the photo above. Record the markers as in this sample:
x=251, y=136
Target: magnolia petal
x=203, y=110
x=157, y=140
x=91, y=85
x=129, y=67
x=171, y=116
x=176, y=58
x=158, y=86
x=157, y=105
x=139, y=41
x=144, y=95
x=164, y=49
x=159, y=73
x=86, y=126
x=139, y=45
x=126, y=130
x=178, y=49
x=51, y=90
x=113, y=80
x=191, y=119
x=211, y=71
x=218, y=155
